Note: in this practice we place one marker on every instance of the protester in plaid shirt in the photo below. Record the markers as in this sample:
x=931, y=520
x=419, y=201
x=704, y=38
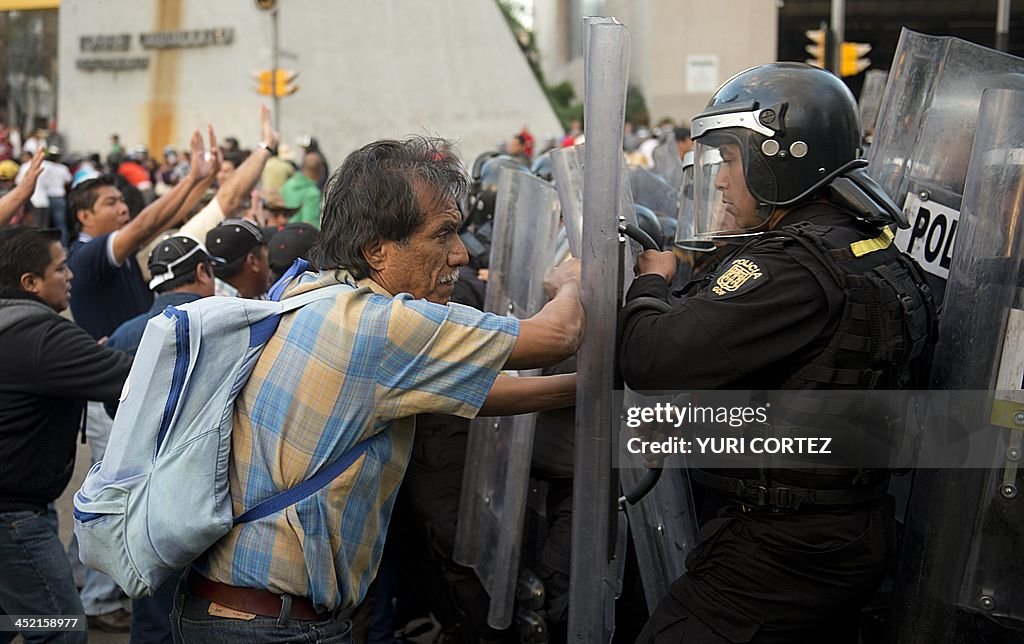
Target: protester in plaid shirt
x=358, y=368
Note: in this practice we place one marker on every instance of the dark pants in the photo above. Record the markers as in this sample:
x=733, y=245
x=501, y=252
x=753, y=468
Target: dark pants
x=35, y=575
x=769, y=578
x=432, y=487
x=151, y=616
x=191, y=623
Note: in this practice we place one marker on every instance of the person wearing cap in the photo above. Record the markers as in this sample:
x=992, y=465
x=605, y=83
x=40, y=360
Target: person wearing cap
x=276, y=211
x=182, y=271
x=301, y=189
x=8, y=170
x=288, y=244
x=240, y=247
x=279, y=169
x=50, y=368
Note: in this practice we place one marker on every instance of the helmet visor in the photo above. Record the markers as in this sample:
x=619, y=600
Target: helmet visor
x=711, y=221
x=685, y=238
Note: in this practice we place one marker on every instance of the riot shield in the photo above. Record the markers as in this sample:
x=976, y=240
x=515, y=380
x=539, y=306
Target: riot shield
x=495, y=483
x=870, y=100
x=923, y=138
x=653, y=191
x=593, y=583
x=961, y=567
x=667, y=163
x=567, y=174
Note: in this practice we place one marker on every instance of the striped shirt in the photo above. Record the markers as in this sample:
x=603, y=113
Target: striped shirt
x=338, y=371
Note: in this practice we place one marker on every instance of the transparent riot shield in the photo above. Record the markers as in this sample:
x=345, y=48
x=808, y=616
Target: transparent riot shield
x=495, y=483
x=961, y=567
x=923, y=138
x=593, y=582
x=653, y=191
x=567, y=174
x=870, y=100
x=667, y=163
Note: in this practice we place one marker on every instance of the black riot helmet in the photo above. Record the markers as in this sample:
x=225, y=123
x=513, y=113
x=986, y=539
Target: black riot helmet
x=484, y=189
x=477, y=223
x=798, y=132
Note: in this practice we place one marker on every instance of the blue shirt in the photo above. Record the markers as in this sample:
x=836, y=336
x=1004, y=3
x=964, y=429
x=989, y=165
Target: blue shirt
x=128, y=336
x=103, y=293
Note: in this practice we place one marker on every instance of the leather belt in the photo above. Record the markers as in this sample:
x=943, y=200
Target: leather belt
x=252, y=600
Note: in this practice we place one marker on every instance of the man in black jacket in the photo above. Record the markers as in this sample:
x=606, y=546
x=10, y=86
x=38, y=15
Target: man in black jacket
x=50, y=367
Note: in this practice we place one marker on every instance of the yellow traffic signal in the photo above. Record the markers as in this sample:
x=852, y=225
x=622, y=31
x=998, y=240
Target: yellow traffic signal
x=851, y=62
x=817, y=49
x=283, y=82
x=264, y=82
x=280, y=84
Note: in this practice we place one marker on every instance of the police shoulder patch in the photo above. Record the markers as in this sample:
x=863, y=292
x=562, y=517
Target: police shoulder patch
x=741, y=276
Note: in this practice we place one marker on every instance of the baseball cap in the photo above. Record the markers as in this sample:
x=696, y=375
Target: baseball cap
x=233, y=239
x=174, y=257
x=8, y=170
x=291, y=242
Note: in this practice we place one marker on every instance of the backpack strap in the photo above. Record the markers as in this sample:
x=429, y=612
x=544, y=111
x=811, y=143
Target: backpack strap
x=305, y=489
x=298, y=267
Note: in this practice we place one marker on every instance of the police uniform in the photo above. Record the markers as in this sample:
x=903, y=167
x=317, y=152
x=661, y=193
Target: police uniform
x=794, y=567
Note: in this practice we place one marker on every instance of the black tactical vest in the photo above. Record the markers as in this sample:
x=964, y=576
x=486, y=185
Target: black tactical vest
x=887, y=326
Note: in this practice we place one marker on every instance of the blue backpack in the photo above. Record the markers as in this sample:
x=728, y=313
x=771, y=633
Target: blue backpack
x=160, y=498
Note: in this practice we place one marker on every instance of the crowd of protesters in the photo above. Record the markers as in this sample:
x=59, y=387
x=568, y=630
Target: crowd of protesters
x=93, y=246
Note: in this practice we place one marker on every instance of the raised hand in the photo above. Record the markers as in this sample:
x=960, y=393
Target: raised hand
x=205, y=164
x=268, y=136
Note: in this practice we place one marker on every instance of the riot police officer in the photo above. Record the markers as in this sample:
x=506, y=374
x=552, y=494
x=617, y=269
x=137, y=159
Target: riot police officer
x=815, y=297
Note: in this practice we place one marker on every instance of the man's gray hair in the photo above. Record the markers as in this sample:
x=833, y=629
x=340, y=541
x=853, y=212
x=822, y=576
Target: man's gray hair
x=371, y=196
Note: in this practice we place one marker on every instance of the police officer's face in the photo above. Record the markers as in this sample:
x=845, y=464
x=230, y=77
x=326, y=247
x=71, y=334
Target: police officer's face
x=733, y=184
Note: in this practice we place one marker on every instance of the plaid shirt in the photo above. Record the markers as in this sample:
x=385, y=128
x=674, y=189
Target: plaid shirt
x=336, y=372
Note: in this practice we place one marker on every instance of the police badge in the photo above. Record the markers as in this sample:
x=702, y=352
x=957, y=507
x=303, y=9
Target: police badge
x=741, y=276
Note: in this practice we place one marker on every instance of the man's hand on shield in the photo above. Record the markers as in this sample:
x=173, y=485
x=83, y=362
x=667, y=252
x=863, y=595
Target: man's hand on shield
x=653, y=262
x=567, y=271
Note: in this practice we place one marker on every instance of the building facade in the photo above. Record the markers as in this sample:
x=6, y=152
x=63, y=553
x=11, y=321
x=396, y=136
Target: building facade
x=154, y=70
x=682, y=50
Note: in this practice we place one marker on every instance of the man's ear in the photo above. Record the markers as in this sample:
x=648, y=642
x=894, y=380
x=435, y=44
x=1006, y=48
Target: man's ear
x=204, y=275
x=376, y=254
x=81, y=216
x=30, y=282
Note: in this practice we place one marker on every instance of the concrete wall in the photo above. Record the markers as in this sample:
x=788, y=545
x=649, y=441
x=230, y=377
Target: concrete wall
x=369, y=69
x=666, y=35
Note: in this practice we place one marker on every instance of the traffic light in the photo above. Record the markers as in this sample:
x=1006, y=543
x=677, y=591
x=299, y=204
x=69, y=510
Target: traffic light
x=264, y=82
x=818, y=46
x=281, y=84
x=851, y=62
x=266, y=5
